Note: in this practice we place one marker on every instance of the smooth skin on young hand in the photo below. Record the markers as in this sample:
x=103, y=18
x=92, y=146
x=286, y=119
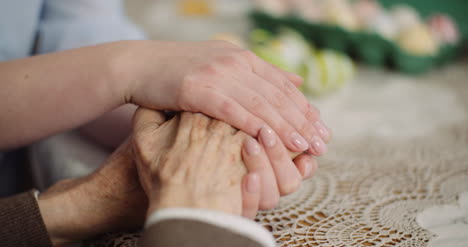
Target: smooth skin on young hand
x=46, y=94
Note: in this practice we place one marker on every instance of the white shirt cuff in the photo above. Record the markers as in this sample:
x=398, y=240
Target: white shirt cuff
x=236, y=224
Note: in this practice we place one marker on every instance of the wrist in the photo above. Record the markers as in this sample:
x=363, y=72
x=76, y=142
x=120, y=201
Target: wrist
x=122, y=76
x=54, y=210
x=131, y=64
x=182, y=198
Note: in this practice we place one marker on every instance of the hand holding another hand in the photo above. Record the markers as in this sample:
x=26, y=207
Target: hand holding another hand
x=225, y=82
x=189, y=161
x=200, y=163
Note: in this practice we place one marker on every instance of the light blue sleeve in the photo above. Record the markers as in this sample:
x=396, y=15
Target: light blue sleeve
x=67, y=24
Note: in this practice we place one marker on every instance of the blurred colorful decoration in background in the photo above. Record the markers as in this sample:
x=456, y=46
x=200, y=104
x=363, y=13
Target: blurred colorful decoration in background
x=323, y=70
x=195, y=8
x=397, y=36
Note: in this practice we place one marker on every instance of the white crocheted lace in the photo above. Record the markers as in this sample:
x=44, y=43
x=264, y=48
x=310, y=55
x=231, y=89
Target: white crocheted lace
x=371, y=187
x=371, y=197
x=399, y=158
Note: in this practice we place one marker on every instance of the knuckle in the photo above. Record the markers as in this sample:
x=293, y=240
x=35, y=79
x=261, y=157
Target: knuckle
x=312, y=114
x=187, y=88
x=289, y=88
x=251, y=124
x=248, y=54
x=307, y=129
x=226, y=108
x=241, y=136
x=218, y=128
x=209, y=70
x=199, y=120
x=228, y=60
x=257, y=102
x=279, y=99
x=198, y=132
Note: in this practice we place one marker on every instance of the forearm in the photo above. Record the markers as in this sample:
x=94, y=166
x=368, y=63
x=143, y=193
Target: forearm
x=109, y=199
x=45, y=94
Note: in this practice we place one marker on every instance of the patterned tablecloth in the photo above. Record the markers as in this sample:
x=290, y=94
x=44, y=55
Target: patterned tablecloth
x=396, y=173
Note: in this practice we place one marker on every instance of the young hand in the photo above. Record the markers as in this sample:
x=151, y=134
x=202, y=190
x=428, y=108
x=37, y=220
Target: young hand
x=225, y=82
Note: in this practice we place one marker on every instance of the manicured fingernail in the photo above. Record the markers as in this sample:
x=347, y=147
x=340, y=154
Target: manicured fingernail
x=252, y=147
x=267, y=136
x=319, y=146
x=253, y=183
x=307, y=169
x=299, y=142
x=323, y=131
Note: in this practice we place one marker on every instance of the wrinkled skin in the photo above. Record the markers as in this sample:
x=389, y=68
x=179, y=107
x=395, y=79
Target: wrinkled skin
x=189, y=161
x=109, y=199
x=199, y=163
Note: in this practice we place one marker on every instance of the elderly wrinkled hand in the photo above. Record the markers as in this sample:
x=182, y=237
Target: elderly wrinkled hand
x=200, y=162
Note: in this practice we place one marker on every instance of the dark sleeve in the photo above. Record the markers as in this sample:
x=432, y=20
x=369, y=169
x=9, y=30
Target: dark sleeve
x=192, y=233
x=21, y=222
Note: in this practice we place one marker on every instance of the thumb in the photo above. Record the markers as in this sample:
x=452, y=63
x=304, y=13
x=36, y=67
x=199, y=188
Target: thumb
x=144, y=118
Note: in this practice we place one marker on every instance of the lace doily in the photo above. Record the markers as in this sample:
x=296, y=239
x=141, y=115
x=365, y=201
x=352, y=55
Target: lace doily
x=372, y=197
x=375, y=181
x=411, y=154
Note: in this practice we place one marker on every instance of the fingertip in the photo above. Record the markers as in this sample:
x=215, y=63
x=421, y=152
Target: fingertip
x=251, y=146
x=306, y=165
x=271, y=203
x=292, y=185
x=295, y=79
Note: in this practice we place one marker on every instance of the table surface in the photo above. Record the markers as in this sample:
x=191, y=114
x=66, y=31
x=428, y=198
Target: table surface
x=395, y=175
x=399, y=149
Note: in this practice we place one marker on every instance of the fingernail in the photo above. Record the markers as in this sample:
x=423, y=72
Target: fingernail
x=267, y=136
x=252, y=147
x=253, y=183
x=323, y=131
x=308, y=169
x=299, y=142
x=319, y=146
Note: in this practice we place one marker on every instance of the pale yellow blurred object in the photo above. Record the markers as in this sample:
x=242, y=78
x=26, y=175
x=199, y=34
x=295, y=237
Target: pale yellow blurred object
x=339, y=12
x=275, y=7
x=196, y=7
x=418, y=40
x=405, y=17
x=310, y=10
